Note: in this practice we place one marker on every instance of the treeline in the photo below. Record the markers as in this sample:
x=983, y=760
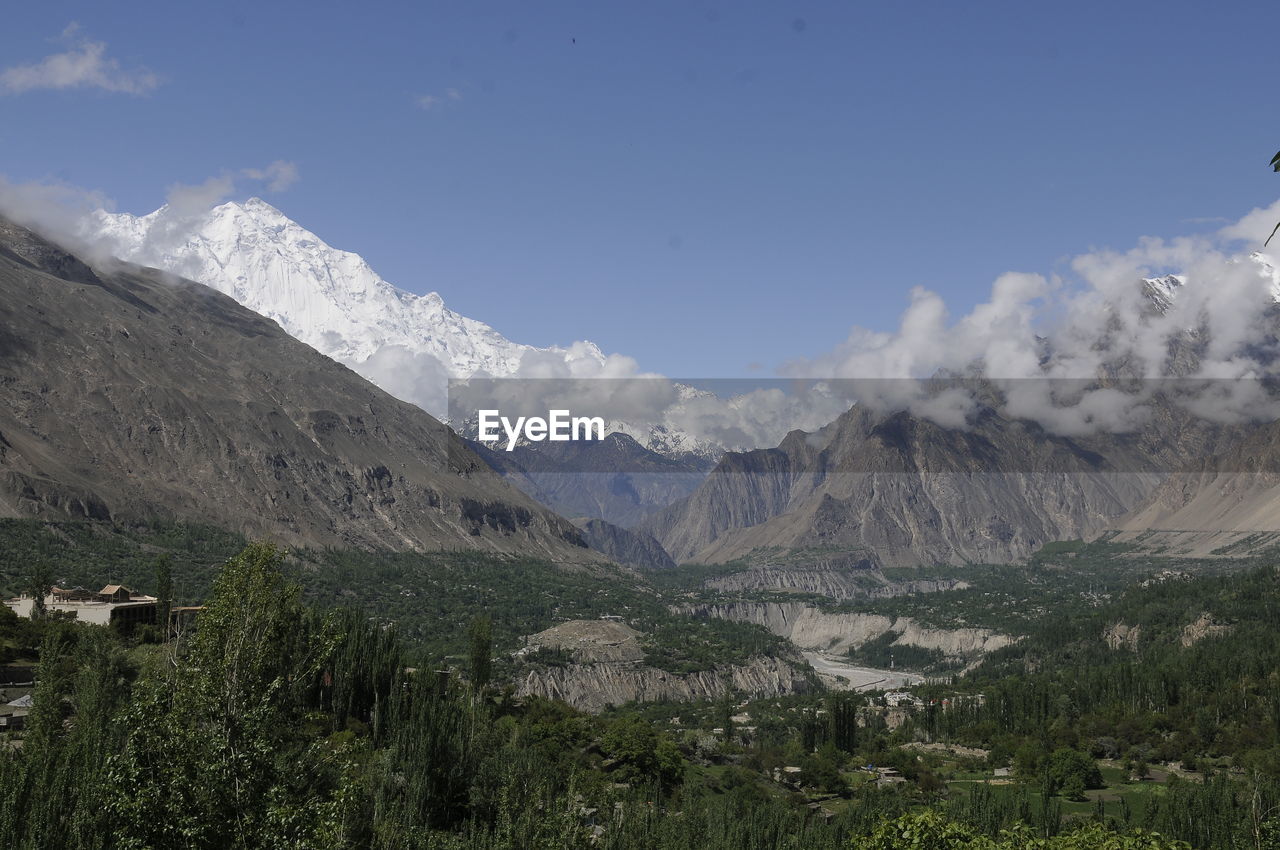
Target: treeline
x=432, y=597
x=278, y=726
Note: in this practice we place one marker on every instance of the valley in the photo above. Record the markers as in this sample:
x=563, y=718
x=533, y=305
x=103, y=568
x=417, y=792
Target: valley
x=877, y=622
x=700, y=426
x=774, y=703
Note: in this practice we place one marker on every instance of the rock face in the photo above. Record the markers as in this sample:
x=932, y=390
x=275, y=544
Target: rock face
x=128, y=394
x=1204, y=627
x=811, y=629
x=1122, y=636
x=608, y=668
x=904, y=491
x=1229, y=506
x=633, y=548
x=595, y=687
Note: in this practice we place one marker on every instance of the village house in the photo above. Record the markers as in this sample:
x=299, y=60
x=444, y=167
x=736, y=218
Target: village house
x=888, y=776
x=13, y=714
x=897, y=699
x=115, y=603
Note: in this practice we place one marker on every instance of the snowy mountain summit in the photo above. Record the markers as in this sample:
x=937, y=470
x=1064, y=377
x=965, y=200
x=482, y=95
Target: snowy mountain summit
x=409, y=345
x=330, y=299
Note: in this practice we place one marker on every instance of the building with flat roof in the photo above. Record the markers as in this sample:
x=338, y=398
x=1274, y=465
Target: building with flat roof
x=115, y=603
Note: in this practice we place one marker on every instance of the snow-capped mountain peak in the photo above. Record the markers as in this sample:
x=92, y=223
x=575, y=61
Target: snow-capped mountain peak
x=329, y=298
x=1162, y=291
x=409, y=345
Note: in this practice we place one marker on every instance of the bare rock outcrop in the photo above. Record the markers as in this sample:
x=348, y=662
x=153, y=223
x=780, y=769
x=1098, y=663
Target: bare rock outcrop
x=1205, y=626
x=607, y=668
x=832, y=583
x=905, y=491
x=633, y=548
x=594, y=687
x=1123, y=636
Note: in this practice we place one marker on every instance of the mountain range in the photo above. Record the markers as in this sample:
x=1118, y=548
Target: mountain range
x=887, y=489
x=905, y=491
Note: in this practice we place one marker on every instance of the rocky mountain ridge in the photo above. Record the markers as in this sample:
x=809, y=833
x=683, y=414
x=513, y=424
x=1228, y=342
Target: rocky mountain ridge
x=906, y=491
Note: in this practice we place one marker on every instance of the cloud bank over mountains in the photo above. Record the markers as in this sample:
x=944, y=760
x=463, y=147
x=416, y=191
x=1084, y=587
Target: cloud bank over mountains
x=1199, y=307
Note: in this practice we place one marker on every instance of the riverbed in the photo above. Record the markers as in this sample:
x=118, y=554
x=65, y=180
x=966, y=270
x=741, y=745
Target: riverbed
x=838, y=673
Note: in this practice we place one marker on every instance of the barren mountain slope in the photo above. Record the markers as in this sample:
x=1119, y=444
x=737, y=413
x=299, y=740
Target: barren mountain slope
x=130, y=394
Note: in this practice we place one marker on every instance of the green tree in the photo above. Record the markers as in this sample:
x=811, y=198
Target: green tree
x=1071, y=769
x=481, y=650
x=164, y=594
x=39, y=583
x=212, y=758
x=931, y=830
x=642, y=753
x=843, y=709
x=1027, y=760
x=926, y=830
x=1073, y=788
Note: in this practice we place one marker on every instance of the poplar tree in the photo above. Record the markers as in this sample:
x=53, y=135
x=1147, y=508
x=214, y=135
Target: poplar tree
x=164, y=594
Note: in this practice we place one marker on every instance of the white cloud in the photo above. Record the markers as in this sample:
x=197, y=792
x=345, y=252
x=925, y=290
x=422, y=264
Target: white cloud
x=192, y=200
x=68, y=214
x=84, y=64
x=415, y=377
x=278, y=176
x=186, y=200
x=427, y=102
x=1081, y=326
x=54, y=209
x=1256, y=226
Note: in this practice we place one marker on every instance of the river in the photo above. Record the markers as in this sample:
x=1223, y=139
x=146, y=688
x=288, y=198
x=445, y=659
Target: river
x=840, y=674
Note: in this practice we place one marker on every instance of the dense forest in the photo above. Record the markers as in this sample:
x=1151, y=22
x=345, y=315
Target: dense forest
x=285, y=724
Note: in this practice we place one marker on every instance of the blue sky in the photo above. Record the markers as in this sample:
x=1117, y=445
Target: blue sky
x=710, y=188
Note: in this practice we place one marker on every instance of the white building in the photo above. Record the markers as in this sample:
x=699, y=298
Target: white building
x=113, y=604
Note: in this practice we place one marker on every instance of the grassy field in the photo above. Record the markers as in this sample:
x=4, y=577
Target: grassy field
x=1117, y=797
